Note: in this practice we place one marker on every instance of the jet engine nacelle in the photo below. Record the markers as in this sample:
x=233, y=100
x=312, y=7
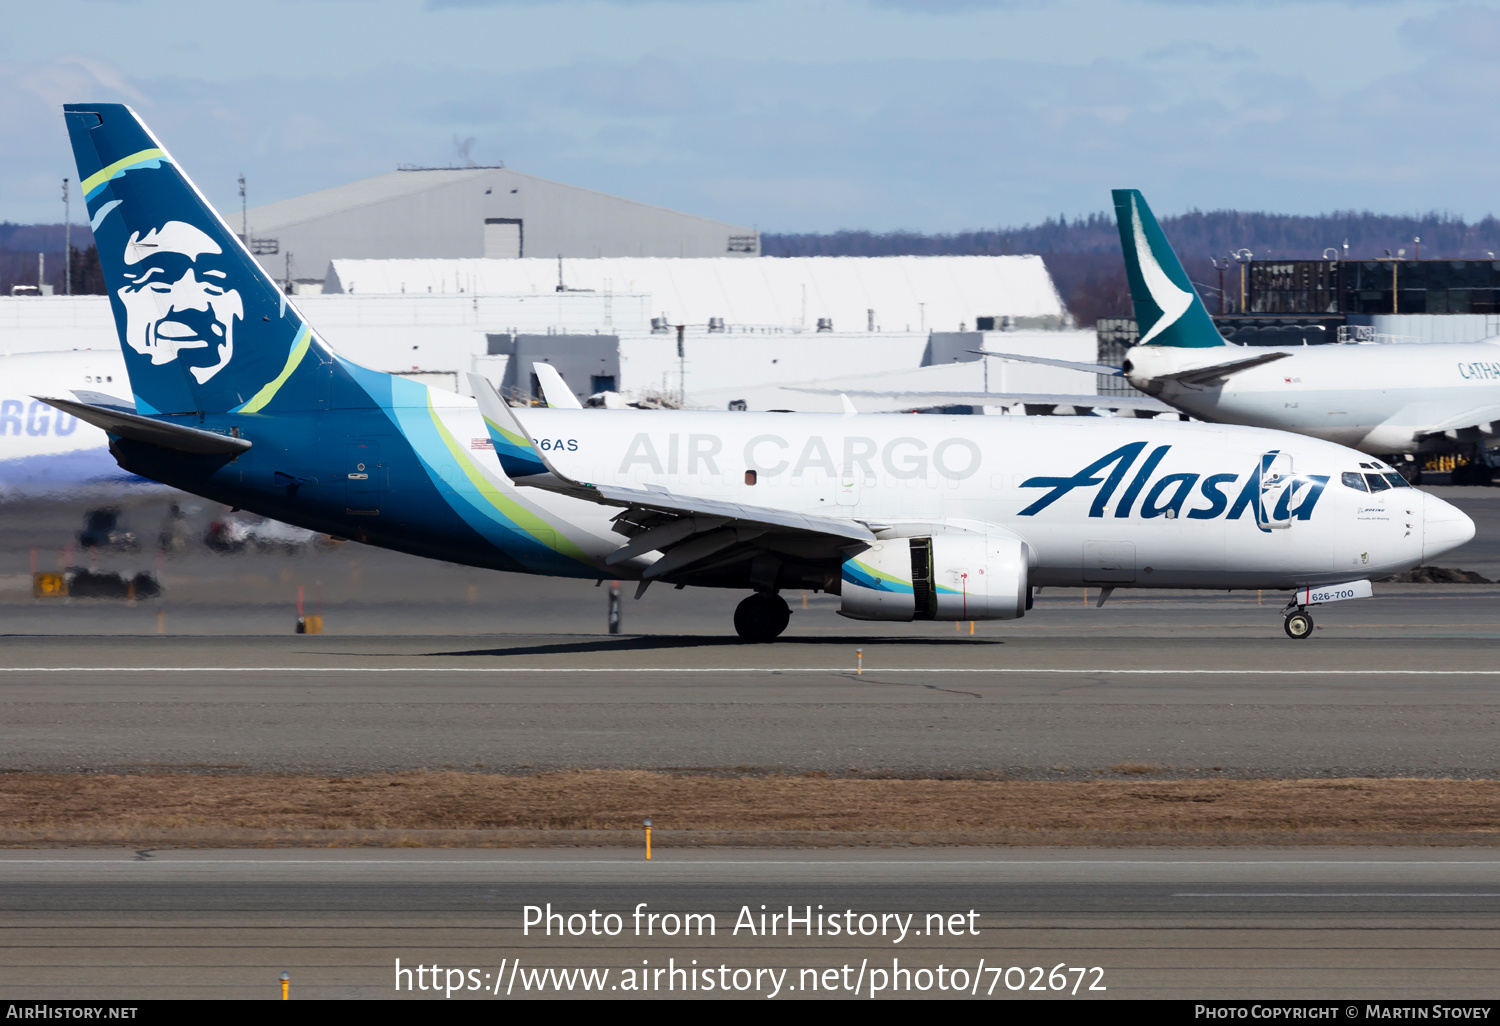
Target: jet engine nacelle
x=959, y=576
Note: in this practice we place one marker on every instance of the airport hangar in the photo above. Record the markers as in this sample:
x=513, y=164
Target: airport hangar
x=489, y=212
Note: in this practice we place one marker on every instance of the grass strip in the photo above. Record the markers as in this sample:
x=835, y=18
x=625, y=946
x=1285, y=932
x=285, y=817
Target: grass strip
x=607, y=806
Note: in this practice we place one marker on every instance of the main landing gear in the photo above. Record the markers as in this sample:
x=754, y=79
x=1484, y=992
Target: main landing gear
x=761, y=617
x=1298, y=623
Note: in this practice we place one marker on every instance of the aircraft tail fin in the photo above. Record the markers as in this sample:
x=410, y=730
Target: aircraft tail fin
x=554, y=389
x=203, y=327
x=1167, y=308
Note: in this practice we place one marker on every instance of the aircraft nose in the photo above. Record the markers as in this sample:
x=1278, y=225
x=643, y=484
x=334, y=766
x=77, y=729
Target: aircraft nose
x=1444, y=527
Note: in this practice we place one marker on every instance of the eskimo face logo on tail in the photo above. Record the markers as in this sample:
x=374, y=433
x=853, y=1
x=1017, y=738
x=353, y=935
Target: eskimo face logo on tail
x=178, y=305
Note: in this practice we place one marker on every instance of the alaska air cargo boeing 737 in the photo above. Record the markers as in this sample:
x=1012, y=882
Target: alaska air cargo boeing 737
x=236, y=398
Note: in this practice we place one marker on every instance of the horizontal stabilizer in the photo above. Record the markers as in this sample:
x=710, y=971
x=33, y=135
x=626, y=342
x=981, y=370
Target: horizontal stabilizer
x=108, y=402
x=1216, y=374
x=1047, y=361
x=163, y=434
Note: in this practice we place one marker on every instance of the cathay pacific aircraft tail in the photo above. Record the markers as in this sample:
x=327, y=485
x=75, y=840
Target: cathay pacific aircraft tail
x=1168, y=311
x=1391, y=400
x=235, y=397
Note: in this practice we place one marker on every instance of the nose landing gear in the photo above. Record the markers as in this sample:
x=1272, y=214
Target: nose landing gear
x=1298, y=625
x=761, y=617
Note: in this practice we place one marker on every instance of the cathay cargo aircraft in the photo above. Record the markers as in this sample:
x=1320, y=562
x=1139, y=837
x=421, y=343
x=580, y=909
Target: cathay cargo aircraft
x=235, y=397
x=1383, y=399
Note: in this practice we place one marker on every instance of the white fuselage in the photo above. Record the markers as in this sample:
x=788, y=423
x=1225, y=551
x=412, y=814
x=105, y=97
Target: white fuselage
x=46, y=451
x=1374, y=398
x=1172, y=509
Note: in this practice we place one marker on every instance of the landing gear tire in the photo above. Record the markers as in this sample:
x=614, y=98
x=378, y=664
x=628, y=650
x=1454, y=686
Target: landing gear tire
x=761, y=618
x=1298, y=626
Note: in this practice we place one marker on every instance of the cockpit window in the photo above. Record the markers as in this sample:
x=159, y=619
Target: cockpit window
x=1377, y=482
x=1355, y=481
x=1396, y=480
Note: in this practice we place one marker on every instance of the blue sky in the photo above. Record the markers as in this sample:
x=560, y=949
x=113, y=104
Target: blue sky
x=789, y=115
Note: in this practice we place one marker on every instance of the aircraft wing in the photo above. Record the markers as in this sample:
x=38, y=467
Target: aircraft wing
x=692, y=532
x=167, y=435
x=1097, y=402
x=1218, y=372
x=1482, y=418
x=1047, y=361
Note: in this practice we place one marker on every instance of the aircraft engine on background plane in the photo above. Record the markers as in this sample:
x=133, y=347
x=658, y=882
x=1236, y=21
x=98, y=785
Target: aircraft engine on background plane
x=968, y=575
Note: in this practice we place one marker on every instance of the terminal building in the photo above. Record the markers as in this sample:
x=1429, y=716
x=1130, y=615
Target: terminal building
x=1292, y=302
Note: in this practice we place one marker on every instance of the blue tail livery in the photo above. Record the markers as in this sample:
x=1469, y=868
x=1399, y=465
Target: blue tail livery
x=203, y=328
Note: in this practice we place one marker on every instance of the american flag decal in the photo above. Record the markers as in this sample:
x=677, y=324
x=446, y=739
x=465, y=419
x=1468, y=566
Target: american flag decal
x=481, y=443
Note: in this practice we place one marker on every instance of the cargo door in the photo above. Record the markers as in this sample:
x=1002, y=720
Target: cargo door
x=923, y=592
x=364, y=477
x=846, y=490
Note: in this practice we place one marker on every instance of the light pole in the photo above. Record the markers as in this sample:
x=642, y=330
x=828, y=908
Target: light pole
x=244, y=213
x=67, y=241
x=681, y=369
x=1221, y=268
x=1243, y=258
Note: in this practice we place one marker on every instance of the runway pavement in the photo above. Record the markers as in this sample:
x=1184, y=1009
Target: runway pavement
x=1015, y=702
x=426, y=665
x=1293, y=924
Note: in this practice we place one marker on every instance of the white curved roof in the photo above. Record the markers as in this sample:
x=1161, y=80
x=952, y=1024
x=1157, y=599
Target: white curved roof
x=906, y=293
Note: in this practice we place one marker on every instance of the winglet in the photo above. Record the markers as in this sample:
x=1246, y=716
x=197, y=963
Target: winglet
x=518, y=457
x=849, y=408
x=554, y=389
